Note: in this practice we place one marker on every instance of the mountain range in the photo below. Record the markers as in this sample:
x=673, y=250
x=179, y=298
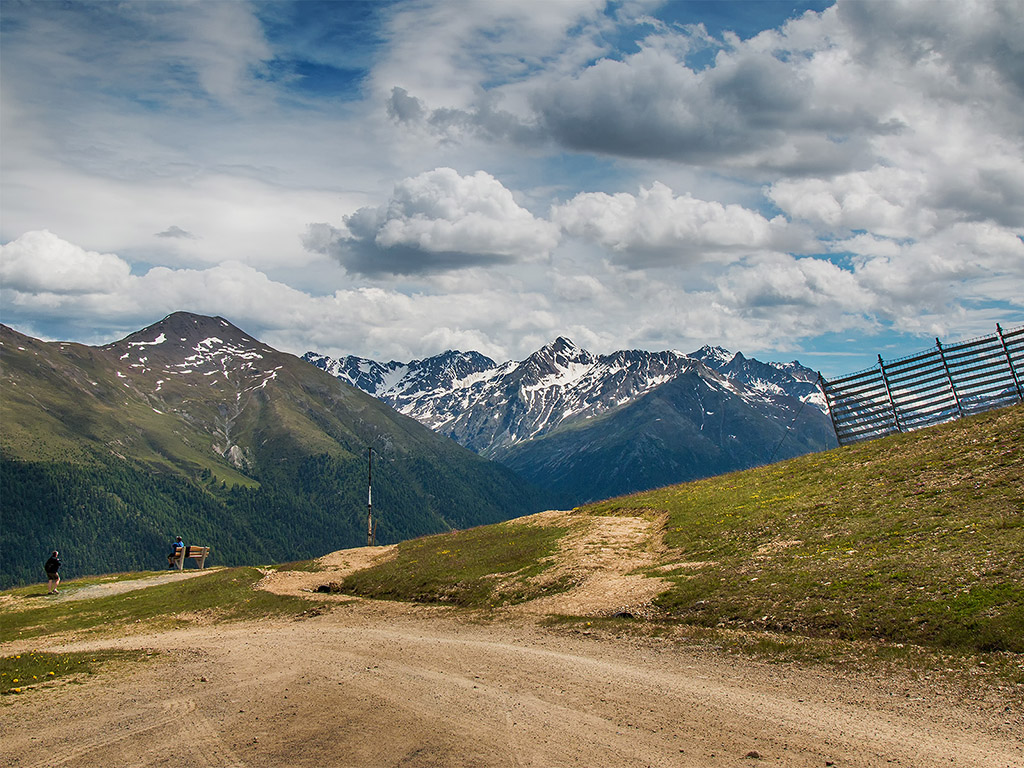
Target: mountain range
x=587, y=426
x=192, y=427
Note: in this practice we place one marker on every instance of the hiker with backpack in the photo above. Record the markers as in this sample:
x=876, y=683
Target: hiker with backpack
x=51, y=567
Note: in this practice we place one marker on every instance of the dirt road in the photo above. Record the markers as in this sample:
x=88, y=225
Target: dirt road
x=386, y=684
x=390, y=685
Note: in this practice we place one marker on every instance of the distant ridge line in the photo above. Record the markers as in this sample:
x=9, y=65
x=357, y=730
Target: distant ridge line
x=932, y=386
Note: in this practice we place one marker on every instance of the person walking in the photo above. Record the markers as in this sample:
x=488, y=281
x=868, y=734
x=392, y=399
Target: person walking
x=51, y=567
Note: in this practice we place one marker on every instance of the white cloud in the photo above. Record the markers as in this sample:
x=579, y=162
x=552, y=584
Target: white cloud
x=41, y=262
x=882, y=139
x=444, y=52
x=656, y=226
x=883, y=200
x=228, y=216
x=778, y=283
x=161, y=54
x=437, y=221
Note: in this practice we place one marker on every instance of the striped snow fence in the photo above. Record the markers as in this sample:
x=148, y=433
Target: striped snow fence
x=929, y=387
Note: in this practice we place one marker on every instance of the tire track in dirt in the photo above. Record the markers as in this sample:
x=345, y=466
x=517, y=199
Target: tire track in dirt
x=373, y=684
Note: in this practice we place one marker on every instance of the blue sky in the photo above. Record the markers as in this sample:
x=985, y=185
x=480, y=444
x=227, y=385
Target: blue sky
x=811, y=180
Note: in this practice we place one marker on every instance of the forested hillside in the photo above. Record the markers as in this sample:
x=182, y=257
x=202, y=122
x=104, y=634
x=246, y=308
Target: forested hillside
x=191, y=428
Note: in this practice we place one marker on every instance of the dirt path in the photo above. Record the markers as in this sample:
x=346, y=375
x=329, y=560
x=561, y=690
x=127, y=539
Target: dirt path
x=391, y=685
x=601, y=557
x=387, y=684
x=332, y=567
x=130, y=585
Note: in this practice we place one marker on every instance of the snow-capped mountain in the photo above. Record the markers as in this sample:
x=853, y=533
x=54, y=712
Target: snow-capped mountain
x=493, y=408
x=487, y=406
x=771, y=379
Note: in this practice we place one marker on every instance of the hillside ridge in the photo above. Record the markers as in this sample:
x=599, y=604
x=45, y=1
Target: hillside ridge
x=192, y=426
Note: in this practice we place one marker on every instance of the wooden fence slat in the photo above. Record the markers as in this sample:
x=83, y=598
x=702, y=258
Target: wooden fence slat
x=853, y=376
x=927, y=387
x=984, y=376
x=940, y=376
x=900, y=376
x=928, y=397
x=904, y=361
x=875, y=414
x=868, y=434
x=876, y=387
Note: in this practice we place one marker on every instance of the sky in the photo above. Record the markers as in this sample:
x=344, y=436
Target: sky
x=800, y=180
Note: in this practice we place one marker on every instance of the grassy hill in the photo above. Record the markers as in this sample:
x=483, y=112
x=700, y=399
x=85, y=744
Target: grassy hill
x=916, y=538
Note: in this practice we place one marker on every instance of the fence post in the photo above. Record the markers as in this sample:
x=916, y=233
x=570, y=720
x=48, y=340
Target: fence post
x=1009, y=362
x=949, y=378
x=822, y=384
x=888, y=393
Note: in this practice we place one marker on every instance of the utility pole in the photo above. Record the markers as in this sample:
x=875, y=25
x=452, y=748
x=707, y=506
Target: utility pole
x=370, y=539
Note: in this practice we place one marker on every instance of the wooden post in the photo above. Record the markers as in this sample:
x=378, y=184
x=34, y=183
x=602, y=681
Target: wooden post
x=369, y=497
x=888, y=393
x=1009, y=362
x=949, y=378
x=823, y=385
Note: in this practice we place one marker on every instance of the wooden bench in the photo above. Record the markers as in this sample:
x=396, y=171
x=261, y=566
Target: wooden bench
x=199, y=554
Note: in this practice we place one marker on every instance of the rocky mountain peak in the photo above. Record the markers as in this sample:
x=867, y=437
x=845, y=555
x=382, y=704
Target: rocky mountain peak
x=714, y=358
x=452, y=366
x=185, y=345
x=557, y=358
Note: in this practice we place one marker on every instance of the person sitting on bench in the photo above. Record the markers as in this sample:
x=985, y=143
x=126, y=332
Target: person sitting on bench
x=177, y=550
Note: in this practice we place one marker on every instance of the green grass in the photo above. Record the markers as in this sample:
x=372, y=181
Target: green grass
x=225, y=595
x=31, y=670
x=459, y=568
x=916, y=538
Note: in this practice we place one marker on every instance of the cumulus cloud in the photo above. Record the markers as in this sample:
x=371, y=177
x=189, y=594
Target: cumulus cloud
x=438, y=221
x=444, y=51
x=766, y=104
x=41, y=262
x=779, y=282
x=484, y=119
x=658, y=227
x=986, y=45
x=882, y=200
x=832, y=92
x=892, y=280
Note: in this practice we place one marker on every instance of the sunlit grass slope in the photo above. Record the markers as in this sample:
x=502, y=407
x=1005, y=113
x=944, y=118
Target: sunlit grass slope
x=480, y=567
x=915, y=538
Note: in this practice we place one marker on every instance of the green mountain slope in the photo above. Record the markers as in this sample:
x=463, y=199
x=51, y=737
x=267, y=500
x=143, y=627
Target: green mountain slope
x=914, y=539
x=192, y=427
